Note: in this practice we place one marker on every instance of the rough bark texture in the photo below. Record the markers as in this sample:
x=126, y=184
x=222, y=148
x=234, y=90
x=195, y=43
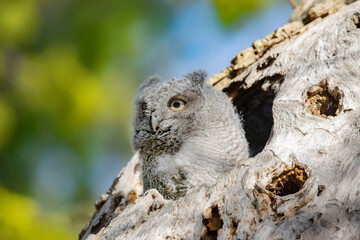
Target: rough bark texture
x=299, y=91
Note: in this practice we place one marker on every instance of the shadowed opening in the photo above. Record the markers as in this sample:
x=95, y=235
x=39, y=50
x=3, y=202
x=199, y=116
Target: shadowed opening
x=288, y=182
x=233, y=228
x=322, y=101
x=255, y=105
x=212, y=224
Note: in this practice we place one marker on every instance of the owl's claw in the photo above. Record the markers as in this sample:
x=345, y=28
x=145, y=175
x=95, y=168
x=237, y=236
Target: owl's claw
x=157, y=199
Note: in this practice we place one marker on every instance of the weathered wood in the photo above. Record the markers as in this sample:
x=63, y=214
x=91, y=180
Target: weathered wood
x=126, y=188
x=302, y=82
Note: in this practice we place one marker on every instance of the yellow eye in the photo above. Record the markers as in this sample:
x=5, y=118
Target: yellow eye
x=177, y=105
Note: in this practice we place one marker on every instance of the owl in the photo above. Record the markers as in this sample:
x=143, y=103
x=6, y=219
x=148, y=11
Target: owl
x=187, y=134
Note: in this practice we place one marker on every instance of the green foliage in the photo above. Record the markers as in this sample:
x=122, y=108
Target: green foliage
x=57, y=81
x=57, y=86
x=230, y=10
x=21, y=219
x=18, y=20
x=7, y=122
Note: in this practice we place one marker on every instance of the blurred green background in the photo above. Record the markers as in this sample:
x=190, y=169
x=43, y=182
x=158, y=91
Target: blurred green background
x=69, y=71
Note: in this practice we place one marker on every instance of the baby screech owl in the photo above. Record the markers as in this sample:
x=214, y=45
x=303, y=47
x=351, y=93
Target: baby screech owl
x=187, y=134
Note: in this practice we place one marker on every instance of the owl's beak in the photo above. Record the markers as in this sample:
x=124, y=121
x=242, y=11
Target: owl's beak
x=154, y=122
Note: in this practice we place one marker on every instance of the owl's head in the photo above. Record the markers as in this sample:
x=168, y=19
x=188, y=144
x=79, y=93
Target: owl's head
x=167, y=112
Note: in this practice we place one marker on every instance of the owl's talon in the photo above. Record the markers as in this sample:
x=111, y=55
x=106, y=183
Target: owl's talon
x=158, y=199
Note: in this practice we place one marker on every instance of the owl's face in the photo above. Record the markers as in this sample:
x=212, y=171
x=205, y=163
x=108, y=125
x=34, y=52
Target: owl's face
x=166, y=111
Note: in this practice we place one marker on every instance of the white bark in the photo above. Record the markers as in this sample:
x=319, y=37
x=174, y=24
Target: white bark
x=305, y=183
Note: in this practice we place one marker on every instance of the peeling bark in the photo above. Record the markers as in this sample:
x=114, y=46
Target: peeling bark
x=299, y=91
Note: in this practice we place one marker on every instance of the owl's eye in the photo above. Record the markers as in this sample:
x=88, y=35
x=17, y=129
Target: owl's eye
x=176, y=105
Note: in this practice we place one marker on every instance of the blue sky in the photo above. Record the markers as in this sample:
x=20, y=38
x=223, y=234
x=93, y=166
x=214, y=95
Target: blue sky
x=196, y=39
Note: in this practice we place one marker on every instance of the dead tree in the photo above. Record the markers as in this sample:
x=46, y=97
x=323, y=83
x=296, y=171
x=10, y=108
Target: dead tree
x=299, y=92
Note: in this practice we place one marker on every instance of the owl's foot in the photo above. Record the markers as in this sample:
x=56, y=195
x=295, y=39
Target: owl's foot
x=157, y=199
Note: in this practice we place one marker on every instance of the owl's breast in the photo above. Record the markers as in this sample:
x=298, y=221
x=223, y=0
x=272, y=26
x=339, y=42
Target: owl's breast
x=165, y=175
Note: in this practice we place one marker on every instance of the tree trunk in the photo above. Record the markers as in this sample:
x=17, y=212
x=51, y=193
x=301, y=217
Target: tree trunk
x=299, y=92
